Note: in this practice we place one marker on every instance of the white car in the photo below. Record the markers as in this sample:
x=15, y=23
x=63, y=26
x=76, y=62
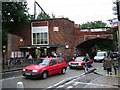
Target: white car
x=100, y=56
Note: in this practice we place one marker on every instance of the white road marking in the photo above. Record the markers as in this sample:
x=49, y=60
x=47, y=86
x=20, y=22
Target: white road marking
x=60, y=86
x=70, y=87
x=82, y=75
x=76, y=83
x=58, y=83
x=50, y=86
x=11, y=78
x=95, y=84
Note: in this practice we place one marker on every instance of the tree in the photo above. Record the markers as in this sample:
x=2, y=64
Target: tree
x=42, y=15
x=95, y=24
x=14, y=14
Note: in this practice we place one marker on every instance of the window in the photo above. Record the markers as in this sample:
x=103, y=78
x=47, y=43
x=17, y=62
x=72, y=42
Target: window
x=52, y=62
x=40, y=38
x=60, y=60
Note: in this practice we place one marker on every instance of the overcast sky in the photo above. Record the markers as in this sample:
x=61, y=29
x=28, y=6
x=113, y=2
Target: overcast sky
x=79, y=11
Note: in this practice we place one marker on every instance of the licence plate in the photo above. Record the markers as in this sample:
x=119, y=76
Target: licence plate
x=27, y=73
x=74, y=65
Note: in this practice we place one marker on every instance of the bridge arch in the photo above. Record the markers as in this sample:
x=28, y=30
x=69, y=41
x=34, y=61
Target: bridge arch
x=92, y=45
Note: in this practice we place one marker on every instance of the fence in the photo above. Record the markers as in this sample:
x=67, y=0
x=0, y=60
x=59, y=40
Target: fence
x=14, y=64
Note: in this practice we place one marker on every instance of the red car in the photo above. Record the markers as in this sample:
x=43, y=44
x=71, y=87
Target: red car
x=79, y=62
x=45, y=67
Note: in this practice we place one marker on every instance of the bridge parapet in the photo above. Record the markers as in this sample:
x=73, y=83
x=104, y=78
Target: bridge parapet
x=107, y=36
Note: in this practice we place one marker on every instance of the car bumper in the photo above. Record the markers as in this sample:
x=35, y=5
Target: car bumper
x=98, y=60
x=72, y=66
x=31, y=74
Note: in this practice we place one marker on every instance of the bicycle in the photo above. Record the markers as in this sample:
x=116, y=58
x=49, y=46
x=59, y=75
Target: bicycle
x=86, y=68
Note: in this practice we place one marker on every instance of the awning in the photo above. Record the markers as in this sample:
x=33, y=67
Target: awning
x=42, y=46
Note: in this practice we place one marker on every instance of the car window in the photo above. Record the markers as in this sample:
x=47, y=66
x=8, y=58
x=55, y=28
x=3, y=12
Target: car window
x=80, y=58
x=60, y=60
x=42, y=62
x=53, y=62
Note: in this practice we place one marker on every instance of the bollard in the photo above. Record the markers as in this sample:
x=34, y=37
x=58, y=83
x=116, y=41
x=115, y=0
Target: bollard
x=20, y=86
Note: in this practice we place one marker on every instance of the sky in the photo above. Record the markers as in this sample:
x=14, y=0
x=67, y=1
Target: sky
x=79, y=11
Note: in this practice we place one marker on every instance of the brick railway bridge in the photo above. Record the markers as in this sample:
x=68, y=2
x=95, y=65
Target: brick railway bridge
x=90, y=41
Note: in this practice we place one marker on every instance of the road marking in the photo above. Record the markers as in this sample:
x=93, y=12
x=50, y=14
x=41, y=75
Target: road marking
x=60, y=86
x=50, y=86
x=82, y=75
x=11, y=78
x=70, y=87
x=93, y=84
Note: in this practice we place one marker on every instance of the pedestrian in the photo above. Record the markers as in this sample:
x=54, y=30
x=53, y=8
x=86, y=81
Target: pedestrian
x=115, y=66
x=108, y=64
x=68, y=57
x=87, y=63
x=60, y=55
x=54, y=54
x=30, y=58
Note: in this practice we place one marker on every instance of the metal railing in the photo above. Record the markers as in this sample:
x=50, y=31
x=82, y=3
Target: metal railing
x=13, y=64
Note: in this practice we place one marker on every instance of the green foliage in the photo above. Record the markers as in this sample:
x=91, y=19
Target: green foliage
x=14, y=14
x=95, y=24
x=42, y=15
x=107, y=45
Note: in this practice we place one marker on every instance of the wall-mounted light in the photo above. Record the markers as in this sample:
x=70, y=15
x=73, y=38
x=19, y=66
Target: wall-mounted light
x=21, y=40
x=67, y=46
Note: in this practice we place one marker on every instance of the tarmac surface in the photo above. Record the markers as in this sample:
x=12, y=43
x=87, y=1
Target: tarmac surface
x=95, y=79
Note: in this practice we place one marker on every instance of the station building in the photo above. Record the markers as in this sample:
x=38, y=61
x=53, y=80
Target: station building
x=41, y=38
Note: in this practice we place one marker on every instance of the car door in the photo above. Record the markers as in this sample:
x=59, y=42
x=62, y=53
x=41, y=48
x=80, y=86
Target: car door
x=60, y=64
x=53, y=67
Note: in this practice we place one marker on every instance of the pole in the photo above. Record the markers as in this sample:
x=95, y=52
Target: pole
x=34, y=9
x=118, y=12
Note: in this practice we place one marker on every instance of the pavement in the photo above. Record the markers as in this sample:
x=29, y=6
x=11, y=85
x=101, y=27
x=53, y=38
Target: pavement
x=94, y=79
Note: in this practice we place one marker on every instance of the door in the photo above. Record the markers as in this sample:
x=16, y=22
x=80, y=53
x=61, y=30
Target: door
x=53, y=69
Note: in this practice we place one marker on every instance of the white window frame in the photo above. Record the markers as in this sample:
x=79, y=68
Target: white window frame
x=40, y=29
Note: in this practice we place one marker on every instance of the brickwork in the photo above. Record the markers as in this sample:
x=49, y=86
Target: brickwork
x=82, y=36
x=25, y=33
x=13, y=44
x=66, y=33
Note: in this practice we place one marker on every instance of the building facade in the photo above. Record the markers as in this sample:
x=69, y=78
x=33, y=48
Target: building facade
x=42, y=37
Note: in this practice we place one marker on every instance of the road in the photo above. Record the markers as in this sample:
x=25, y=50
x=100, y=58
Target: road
x=10, y=79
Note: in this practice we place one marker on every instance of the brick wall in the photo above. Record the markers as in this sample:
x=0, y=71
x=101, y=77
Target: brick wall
x=65, y=34
x=13, y=44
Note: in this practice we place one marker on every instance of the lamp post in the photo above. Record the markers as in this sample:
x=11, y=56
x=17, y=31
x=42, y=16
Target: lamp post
x=118, y=12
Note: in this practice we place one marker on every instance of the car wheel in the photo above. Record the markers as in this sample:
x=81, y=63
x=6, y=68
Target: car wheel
x=63, y=71
x=70, y=67
x=44, y=75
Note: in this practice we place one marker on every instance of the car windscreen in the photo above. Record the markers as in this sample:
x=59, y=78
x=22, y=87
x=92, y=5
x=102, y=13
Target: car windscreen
x=42, y=61
x=79, y=58
x=100, y=54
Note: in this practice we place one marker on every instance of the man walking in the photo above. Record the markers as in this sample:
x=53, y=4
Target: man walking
x=108, y=64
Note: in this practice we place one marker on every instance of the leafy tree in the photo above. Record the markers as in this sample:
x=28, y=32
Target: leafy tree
x=42, y=15
x=14, y=15
x=95, y=24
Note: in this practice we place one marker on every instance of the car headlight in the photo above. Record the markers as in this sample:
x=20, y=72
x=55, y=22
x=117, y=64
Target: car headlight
x=34, y=71
x=69, y=63
x=23, y=69
x=79, y=64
